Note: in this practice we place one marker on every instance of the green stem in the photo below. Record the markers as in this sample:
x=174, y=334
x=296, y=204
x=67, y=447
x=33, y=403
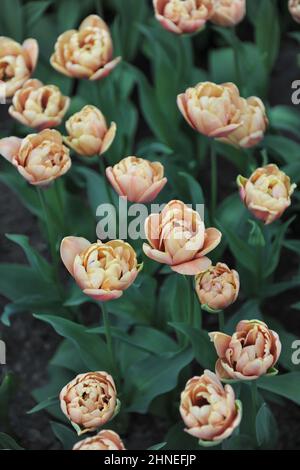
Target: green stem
x=108, y=335
x=254, y=404
x=61, y=207
x=214, y=181
x=51, y=241
x=103, y=173
x=221, y=320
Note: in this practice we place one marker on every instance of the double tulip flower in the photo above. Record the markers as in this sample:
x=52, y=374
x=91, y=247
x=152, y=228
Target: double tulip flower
x=189, y=16
x=294, y=7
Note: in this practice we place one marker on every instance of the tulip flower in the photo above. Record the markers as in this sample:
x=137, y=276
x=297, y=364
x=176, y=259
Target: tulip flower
x=209, y=410
x=267, y=193
x=212, y=110
x=88, y=132
x=86, y=53
x=39, y=158
x=137, y=179
x=104, y=440
x=102, y=270
x=177, y=237
x=253, y=124
x=39, y=106
x=89, y=401
x=218, y=287
x=183, y=16
x=294, y=7
x=17, y=63
x=249, y=353
x=228, y=12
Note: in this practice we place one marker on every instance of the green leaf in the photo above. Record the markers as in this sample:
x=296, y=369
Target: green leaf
x=40, y=265
x=288, y=150
x=274, y=256
x=267, y=32
x=286, y=385
x=154, y=376
x=68, y=17
x=8, y=443
x=203, y=348
x=48, y=403
x=250, y=310
x=287, y=340
x=33, y=12
x=159, y=446
x=240, y=442
x=178, y=439
x=285, y=118
x=91, y=348
x=266, y=428
x=7, y=391
x=64, y=434
x=12, y=19
x=194, y=188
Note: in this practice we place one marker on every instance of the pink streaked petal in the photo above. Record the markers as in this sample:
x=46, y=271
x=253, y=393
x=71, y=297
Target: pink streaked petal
x=157, y=255
x=212, y=240
x=223, y=371
x=153, y=191
x=9, y=147
x=103, y=295
x=152, y=230
x=181, y=103
x=168, y=24
x=111, y=177
x=108, y=138
x=32, y=49
x=71, y=247
x=104, y=71
x=224, y=131
x=191, y=268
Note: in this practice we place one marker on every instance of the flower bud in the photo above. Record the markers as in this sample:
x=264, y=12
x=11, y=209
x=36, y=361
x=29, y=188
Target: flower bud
x=228, y=12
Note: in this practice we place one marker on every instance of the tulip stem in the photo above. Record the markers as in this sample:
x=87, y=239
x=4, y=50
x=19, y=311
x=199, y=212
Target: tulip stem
x=48, y=229
x=103, y=173
x=221, y=320
x=108, y=335
x=254, y=404
x=214, y=180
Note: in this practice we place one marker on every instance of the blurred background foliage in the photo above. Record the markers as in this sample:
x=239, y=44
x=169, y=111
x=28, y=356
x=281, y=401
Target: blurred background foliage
x=157, y=350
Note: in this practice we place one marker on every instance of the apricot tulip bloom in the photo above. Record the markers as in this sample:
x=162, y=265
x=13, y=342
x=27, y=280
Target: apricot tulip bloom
x=104, y=440
x=249, y=353
x=102, y=270
x=86, y=53
x=177, y=237
x=137, y=179
x=294, y=7
x=208, y=409
x=228, y=12
x=17, y=63
x=39, y=158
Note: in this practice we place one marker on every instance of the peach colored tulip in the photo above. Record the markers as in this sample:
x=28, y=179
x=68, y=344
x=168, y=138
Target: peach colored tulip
x=89, y=401
x=208, y=409
x=102, y=270
x=183, y=16
x=88, y=132
x=104, y=440
x=178, y=238
x=87, y=52
x=228, y=12
x=253, y=124
x=39, y=106
x=249, y=353
x=211, y=109
x=17, y=63
x=39, y=158
x=137, y=179
x=218, y=287
x=267, y=193
x=294, y=7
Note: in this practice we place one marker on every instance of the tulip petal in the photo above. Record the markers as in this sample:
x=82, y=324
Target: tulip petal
x=212, y=240
x=71, y=247
x=181, y=103
x=153, y=191
x=221, y=342
x=103, y=295
x=104, y=71
x=193, y=267
x=111, y=177
x=32, y=49
x=157, y=255
x=9, y=147
x=109, y=138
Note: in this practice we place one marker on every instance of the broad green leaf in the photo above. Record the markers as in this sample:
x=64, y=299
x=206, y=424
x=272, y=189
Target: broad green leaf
x=286, y=385
x=64, y=434
x=154, y=376
x=48, y=403
x=288, y=150
x=8, y=443
x=274, y=257
x=178, y=439
x=203, y=348
x=12, y=19
x=91, y=348
x=159, y=446
x=267, y=32
x=266, y=428
x=33, y=11
x=285, y=118
x=240, y=442
x=195, y=190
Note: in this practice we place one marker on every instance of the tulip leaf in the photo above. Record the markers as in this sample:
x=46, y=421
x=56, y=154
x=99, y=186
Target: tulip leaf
x=7, y=390
x=287, y=340
x=33, y=11
x=267, y=32
x=178, y=439
x=48, y=403
x=266, y=428
x=203, y=348
x=274, y=252
x=240, y=442
x=12, y=19
x=8, y=443
x=159, y=446
x=154, y=376
x=64, y=434
x=194, y=188
x=286, y=385
x=91, y=348
x=284, y=118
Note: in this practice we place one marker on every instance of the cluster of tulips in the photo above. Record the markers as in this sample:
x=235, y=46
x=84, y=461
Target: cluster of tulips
x=176, y=236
